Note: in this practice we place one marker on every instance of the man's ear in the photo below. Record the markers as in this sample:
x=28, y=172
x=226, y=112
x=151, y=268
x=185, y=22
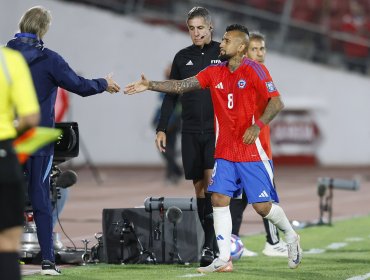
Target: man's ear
x=243, y=48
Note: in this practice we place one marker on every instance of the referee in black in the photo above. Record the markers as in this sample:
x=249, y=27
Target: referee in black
x=198, y=136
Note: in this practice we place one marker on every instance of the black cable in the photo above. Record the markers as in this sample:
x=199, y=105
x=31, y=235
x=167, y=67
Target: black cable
x=61, y=227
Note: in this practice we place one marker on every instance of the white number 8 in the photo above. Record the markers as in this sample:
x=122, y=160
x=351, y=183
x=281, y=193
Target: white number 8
x=230, y=100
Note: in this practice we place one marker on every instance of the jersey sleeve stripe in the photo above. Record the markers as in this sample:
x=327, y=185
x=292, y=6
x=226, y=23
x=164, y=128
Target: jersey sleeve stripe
x=257, y=68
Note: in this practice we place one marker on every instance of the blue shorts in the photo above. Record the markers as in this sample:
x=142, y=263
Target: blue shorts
x=256, y=178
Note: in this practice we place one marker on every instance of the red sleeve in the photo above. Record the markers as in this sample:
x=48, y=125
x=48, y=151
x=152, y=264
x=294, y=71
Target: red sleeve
x=264, y=83
x=61, y=104
x=204, y=77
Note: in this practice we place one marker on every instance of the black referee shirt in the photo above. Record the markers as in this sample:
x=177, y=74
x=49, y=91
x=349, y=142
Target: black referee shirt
x=197, y=108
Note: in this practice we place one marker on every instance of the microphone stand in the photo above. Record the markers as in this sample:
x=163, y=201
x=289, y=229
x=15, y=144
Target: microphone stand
x=175, y=255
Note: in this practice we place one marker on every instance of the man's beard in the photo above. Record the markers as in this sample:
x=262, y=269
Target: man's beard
x=224, y=57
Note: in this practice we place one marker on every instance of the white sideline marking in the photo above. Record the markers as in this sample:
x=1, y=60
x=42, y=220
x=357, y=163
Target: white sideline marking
x=337, y=245
x=314, y=251
x=354, y=239
x=360, y=277
x=192, y=275
x=31, y=271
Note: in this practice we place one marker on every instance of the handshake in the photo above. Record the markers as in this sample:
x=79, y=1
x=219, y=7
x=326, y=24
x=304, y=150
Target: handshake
x=131, y=88
x=112, y=86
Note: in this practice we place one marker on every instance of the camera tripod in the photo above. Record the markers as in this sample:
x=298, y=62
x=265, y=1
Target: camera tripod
x=126, y=228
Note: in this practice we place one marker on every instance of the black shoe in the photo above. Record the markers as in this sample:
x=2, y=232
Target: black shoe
x=207, y=257
x=49, y=268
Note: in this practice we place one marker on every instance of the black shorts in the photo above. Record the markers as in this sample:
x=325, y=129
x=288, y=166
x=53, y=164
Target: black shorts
x=197, y=154
x=12, y=188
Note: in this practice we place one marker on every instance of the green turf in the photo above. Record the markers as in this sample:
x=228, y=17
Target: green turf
x=343, y=263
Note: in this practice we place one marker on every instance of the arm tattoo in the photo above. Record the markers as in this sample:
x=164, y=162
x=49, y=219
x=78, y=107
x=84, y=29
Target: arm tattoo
x=175, y=86
x=274, y=106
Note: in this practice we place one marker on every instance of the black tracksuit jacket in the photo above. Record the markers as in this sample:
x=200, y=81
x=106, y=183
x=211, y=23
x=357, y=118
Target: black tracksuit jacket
x=197, y=108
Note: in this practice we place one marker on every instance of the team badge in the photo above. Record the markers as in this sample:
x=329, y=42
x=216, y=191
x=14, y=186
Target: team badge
x=270, y=86
x=242, y=84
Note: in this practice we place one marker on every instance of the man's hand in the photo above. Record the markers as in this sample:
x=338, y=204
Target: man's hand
x=251, y=134
x=137, y=86
x=160, y=141
x=112, y=87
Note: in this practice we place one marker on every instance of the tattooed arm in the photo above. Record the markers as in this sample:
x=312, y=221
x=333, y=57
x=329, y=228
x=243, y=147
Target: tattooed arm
x=175, y=86
x=274, y=106
x=171, y=86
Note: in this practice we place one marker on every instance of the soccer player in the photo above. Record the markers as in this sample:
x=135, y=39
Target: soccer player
x=245, y=100
x=49, y=71
x=274, y=246
x=197, y=135
x=17, y=94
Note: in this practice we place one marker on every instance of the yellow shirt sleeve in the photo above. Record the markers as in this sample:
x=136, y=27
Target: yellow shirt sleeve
x=23, y=94
x=17, y=91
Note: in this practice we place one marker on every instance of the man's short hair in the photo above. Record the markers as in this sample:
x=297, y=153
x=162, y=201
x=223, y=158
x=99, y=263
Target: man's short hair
x=237, y=27
x=255, y=35
x=36, y=21
x=199, y=12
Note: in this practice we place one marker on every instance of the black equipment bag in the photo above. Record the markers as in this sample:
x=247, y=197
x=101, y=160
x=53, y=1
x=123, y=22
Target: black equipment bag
x=155, y=233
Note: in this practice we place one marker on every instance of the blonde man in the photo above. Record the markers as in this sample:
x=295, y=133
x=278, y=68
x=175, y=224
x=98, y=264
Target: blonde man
x=49, y=71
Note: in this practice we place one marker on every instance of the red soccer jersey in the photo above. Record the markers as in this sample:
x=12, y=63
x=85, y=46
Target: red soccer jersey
x=239, y=98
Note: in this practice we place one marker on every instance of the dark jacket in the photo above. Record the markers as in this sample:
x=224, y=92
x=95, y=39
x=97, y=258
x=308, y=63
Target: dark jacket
x=197, y=108
x=50, y=71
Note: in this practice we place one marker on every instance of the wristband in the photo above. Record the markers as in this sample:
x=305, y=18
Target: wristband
x=259, y=123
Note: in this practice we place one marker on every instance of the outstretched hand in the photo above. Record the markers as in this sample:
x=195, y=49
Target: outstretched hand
x=136, y=87
x=112, y=87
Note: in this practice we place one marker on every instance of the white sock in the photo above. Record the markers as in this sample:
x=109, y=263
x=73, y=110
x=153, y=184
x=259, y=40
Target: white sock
x=278, y=218
x=223, y=226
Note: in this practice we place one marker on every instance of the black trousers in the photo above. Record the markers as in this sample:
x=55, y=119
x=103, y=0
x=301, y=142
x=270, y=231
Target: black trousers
x=12, y=187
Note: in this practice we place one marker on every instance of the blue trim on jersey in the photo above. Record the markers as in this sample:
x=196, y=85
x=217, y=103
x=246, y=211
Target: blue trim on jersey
x=255, y=178
x=257, y=68
x=261, y=74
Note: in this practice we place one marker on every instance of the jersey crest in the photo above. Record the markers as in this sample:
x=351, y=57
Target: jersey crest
x=242, y=83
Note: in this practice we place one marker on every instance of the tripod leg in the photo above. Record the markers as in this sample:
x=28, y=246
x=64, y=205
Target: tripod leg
x=122, y=245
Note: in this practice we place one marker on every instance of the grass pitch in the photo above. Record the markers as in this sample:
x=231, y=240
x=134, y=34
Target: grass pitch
x=341, y=251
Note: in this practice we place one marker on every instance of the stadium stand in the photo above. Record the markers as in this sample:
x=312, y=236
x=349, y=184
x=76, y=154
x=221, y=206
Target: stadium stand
x=309, y=30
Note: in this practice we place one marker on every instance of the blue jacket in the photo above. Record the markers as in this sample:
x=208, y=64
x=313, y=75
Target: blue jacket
x=50, y=71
